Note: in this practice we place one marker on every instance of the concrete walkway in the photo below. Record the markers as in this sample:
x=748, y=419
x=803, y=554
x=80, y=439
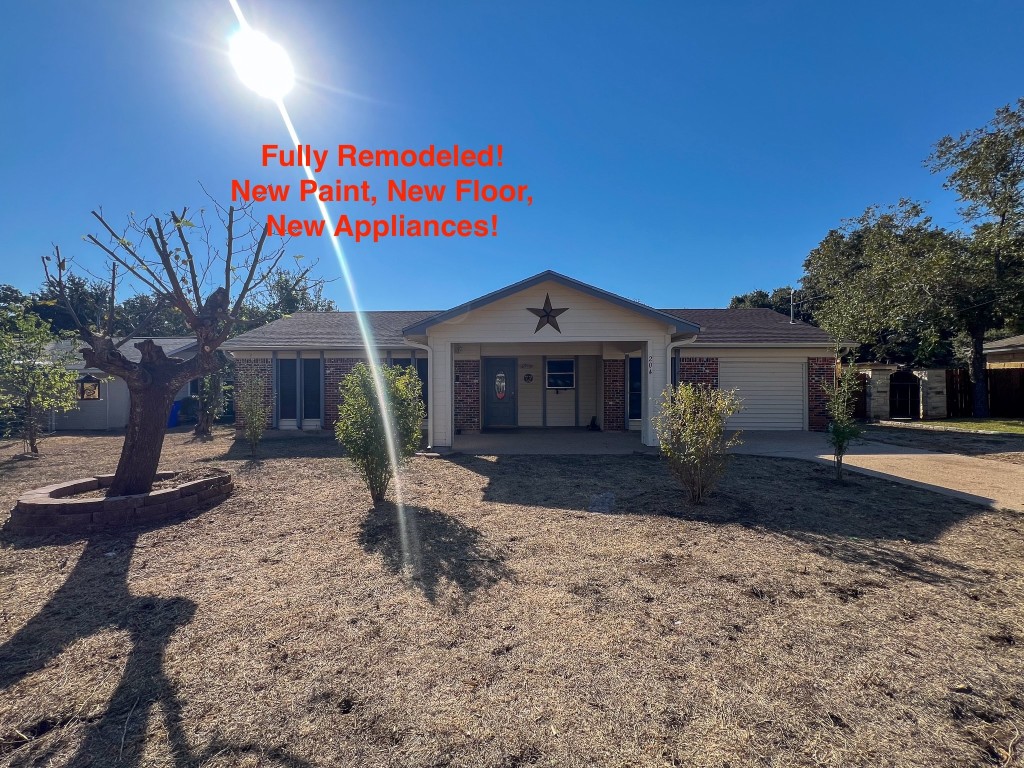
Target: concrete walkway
x=984, y=481
x=551, y=442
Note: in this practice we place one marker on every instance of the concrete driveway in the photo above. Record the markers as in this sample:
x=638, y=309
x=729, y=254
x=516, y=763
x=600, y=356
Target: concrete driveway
x=985, y=481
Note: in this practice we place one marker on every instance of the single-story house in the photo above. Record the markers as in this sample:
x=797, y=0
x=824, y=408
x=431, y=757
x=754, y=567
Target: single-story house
x=103, y=400
x=1005, y=353
x=549, y=351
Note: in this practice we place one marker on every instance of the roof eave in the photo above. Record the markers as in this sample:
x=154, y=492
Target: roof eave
x=828, y=344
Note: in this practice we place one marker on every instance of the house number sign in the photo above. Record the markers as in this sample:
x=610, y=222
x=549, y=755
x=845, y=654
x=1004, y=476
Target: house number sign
x=650, y=365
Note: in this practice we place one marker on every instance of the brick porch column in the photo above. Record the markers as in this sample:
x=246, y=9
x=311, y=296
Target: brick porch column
x=821, y=371
x=467, y=395
x=614, y=396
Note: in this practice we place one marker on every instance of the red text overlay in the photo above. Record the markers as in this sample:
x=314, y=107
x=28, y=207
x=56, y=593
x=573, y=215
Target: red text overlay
x=395, y=191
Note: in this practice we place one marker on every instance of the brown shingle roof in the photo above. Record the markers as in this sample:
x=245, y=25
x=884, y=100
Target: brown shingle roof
x=173, y=346
x=749, y=326
x=326, y=330
x=1010, y=343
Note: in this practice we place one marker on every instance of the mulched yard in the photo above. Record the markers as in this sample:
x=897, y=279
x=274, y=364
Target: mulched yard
x=1006, y=448
x=550, y=611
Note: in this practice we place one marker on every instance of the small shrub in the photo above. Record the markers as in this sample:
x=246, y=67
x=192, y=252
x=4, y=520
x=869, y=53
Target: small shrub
x=691, y=428
x=209, y=402
x=252, y=408
x=361, y=424
x=842, y=427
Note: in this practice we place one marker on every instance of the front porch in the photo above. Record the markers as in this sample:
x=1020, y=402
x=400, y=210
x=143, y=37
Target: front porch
x=550, y=441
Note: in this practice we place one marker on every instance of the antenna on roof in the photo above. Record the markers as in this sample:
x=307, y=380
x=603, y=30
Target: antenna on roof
x=791, y=320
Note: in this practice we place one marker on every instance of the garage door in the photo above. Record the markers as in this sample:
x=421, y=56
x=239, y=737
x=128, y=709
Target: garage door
x=772, y=393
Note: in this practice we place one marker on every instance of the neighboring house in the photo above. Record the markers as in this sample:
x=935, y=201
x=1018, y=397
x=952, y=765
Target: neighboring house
x=103, y=399
x=549, y=351
x=1005, y=353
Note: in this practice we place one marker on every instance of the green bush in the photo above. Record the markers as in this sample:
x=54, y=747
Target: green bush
x=691, y=428
x=361, y=426
x=842, y=427
x=252, y=408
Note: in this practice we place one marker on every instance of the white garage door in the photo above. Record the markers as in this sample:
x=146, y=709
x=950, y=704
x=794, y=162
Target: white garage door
x=772, y=393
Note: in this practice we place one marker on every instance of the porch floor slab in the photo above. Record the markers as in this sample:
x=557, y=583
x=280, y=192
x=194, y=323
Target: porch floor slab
x=550, y=442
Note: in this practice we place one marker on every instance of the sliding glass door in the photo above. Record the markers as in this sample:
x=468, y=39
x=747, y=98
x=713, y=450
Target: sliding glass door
x=299, y=384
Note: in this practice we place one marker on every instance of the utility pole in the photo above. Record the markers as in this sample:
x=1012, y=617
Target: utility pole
x=792, y=321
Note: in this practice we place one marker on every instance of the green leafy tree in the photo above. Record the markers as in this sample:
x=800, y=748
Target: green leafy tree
x=252, y=409
x=35, y=378
x=691, y=430
x=985, y=167
x=842, y=426
x=777, y=301
x=362, y=425
x=84, y=298
x=148, y=315
x=892, y=273
x=288, y=291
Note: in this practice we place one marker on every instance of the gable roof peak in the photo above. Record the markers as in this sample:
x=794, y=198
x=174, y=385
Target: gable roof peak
x=681, y=325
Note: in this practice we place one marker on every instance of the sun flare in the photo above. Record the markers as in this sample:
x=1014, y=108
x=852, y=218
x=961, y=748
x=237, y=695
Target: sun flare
x=263, y=65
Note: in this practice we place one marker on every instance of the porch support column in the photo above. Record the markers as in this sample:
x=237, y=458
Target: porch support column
x=441, y=394
x=654, y=374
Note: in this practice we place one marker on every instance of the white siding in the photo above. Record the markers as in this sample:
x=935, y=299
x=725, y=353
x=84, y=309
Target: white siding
x=562, y=405
x=109, y=412
x=588, y=389
x=587, y=319
x=773, y=393
x=531, y=395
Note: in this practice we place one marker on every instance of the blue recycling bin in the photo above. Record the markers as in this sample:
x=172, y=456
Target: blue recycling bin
x=172, y=420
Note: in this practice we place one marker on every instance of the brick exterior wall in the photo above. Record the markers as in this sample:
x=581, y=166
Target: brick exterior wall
x=467, y=394
x=699, y=370
x=614, y=396
x=335, y=369
x=248, y=368
x=820, y=371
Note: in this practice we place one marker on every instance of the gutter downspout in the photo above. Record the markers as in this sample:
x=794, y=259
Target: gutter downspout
x=670, y=352
x=430, y=392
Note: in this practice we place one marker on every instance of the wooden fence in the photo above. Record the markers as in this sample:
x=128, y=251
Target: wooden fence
x=1005, y=392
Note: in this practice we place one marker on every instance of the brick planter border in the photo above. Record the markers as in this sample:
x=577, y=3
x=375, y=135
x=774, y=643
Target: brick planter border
x=49, y=510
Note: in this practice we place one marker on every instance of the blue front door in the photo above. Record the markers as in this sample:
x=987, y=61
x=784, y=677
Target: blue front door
x=499, y=391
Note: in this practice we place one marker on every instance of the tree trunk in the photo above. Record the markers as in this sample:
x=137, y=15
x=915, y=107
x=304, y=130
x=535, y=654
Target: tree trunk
x=147, y=425
x=31, y=431
x=979, y=380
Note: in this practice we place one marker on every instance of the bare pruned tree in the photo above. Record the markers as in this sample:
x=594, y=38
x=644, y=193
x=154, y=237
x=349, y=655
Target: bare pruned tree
x=209, y=288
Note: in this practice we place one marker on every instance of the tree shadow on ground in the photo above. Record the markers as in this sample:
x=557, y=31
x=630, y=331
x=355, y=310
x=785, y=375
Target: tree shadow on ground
x=95, y=597
x=865, y=520
x=301, y=446
x=432, y=548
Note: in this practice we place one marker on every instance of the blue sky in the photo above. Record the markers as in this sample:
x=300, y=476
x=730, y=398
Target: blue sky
x=677, y=153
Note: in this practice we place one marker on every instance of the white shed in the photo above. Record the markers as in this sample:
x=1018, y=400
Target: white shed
x=110, y=409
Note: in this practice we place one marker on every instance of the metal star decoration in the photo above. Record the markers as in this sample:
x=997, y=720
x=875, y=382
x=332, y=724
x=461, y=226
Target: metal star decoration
x=547, y=315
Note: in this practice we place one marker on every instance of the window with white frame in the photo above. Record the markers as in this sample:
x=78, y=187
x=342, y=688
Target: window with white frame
x=561, y=374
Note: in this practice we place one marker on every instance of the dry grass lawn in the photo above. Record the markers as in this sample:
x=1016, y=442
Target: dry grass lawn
x=556, y=611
